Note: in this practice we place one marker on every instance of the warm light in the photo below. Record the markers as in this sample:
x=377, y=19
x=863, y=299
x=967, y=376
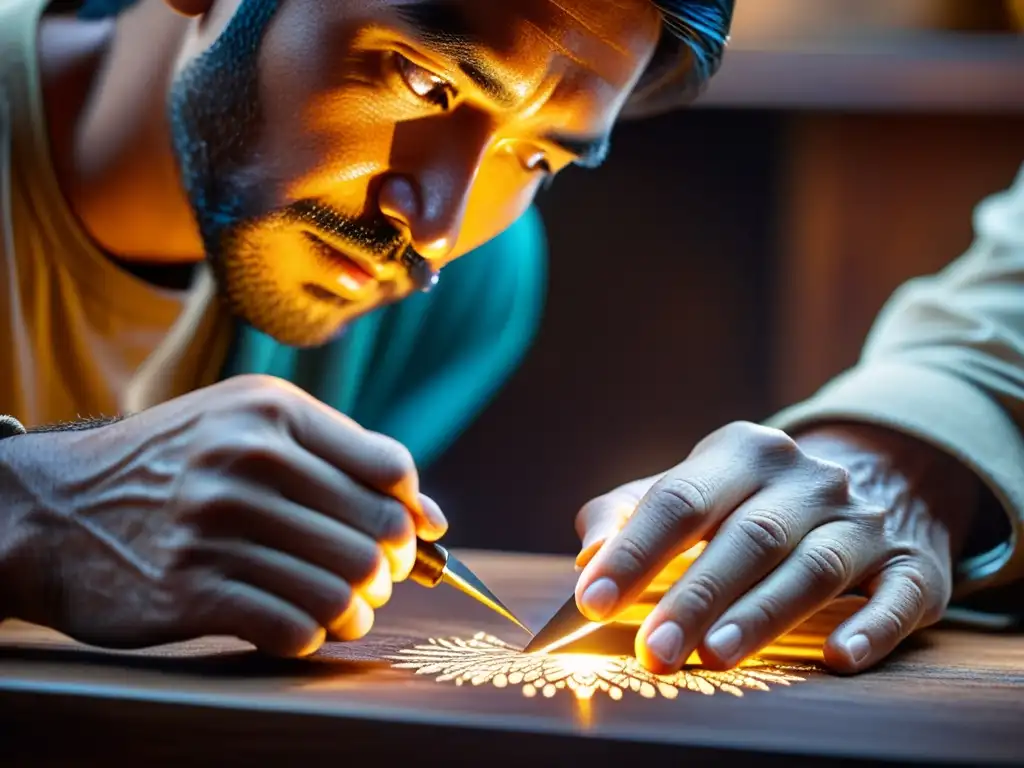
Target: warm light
x=488, y=660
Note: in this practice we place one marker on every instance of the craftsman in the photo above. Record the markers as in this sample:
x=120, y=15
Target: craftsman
x=218, y=217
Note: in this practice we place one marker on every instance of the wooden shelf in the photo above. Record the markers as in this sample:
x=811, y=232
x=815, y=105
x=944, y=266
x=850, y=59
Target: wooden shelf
x=950, y=72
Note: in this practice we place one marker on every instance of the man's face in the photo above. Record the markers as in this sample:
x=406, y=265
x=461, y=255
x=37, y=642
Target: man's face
x=337, y=153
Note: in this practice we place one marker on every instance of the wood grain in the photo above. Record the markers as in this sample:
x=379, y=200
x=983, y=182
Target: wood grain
x=949, y=697
x=871, y=201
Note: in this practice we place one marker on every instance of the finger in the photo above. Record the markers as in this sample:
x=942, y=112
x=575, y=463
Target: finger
x=438, y=523
x=673, y=516
x=273, y=625
x=903, y=598
x=313, y=590
x=599, y=520
x=355, y=624
x=603, y=517
x=273, y=521
x=825, y=564
x=747, y=547
x=315, y=484
x=371, y=458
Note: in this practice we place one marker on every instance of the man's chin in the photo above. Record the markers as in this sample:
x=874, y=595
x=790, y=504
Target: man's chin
x=302, y=323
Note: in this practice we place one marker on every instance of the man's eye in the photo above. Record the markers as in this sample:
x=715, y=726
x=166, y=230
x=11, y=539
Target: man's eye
x=425, y=83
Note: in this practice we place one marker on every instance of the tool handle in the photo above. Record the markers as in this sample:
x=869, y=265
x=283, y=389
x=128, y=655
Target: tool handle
x=431, y=559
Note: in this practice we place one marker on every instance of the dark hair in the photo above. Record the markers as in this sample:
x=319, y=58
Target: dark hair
x=694, y=36
x=693, y=42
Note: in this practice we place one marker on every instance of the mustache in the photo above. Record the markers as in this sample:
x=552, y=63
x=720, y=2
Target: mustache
x=377, y=236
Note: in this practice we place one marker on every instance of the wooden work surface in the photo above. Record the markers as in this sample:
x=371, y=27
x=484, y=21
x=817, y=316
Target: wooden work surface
x=952, y=697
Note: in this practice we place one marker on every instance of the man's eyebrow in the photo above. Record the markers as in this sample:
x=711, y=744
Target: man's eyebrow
x=442, y=25
x=589, y=152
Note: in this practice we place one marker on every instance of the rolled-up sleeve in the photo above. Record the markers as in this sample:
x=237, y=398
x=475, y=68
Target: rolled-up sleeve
x=944, y=362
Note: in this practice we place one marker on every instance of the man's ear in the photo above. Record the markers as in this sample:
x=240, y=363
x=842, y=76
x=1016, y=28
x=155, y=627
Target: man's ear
x=190, y=7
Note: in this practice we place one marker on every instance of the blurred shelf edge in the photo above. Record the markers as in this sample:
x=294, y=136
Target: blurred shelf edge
x=921, y=72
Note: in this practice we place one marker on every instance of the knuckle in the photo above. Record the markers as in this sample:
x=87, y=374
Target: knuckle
x=892, y=621
x=272, y=405
x=233, y=453
x=766, y=532
x=773, y=445
x=187, y=552
x=927, y=592
x=831, y=481
x=258, y=382
x=828, y=562
x=871, y=519
x=916, y=579
x=203, y=498
x=392, y=461
x=264, y=398
x=738, y=430
x=767, y=612
x=677, y=502
x=392, y=522
x=699, y=595
x=629, y=556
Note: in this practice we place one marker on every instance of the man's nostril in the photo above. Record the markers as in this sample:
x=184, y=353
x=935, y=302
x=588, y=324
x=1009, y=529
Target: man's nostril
x=398, y=200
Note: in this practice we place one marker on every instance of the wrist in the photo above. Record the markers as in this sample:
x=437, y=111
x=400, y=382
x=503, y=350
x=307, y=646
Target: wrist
x=20, y=537
x=896, y=471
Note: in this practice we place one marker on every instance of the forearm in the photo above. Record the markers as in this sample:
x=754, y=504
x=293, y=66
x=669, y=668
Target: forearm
x=16, y=540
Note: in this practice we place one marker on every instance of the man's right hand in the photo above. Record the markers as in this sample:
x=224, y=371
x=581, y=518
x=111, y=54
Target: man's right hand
x=246, y=509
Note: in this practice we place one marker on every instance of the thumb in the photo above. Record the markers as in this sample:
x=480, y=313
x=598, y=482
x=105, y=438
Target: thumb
x=604, y=516
x=431, y=524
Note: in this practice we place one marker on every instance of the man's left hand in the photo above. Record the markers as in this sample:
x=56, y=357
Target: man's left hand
x=790, y=525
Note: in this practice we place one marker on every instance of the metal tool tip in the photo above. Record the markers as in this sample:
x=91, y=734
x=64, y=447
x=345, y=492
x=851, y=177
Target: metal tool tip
x=459, y=576
x=565, y=627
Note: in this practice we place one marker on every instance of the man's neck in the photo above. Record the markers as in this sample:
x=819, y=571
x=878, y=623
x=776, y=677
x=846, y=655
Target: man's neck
x=104, y=86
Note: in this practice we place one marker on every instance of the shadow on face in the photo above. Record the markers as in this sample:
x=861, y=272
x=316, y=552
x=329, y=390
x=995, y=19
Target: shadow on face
x=338, y=153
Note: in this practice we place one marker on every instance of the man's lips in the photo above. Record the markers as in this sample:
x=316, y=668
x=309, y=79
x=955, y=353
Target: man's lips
x=352, y=273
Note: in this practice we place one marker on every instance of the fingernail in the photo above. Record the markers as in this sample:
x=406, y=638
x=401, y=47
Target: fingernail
x=725, y=642
x=599, y=598
x=432, y=512
x=858, y=647
x=666, y=642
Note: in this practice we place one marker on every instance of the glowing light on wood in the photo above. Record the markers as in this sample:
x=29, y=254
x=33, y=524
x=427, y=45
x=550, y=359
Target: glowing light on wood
x=485, y=659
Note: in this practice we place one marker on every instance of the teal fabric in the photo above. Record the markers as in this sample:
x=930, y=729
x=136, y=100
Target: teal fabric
x=422, y=369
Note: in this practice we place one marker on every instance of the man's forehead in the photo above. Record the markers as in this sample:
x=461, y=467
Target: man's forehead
x=611, y=38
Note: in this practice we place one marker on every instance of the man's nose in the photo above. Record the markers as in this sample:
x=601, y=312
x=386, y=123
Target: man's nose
x=427, y=191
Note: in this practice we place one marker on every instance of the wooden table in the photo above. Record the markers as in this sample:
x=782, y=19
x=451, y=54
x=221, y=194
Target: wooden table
x=951, y=698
